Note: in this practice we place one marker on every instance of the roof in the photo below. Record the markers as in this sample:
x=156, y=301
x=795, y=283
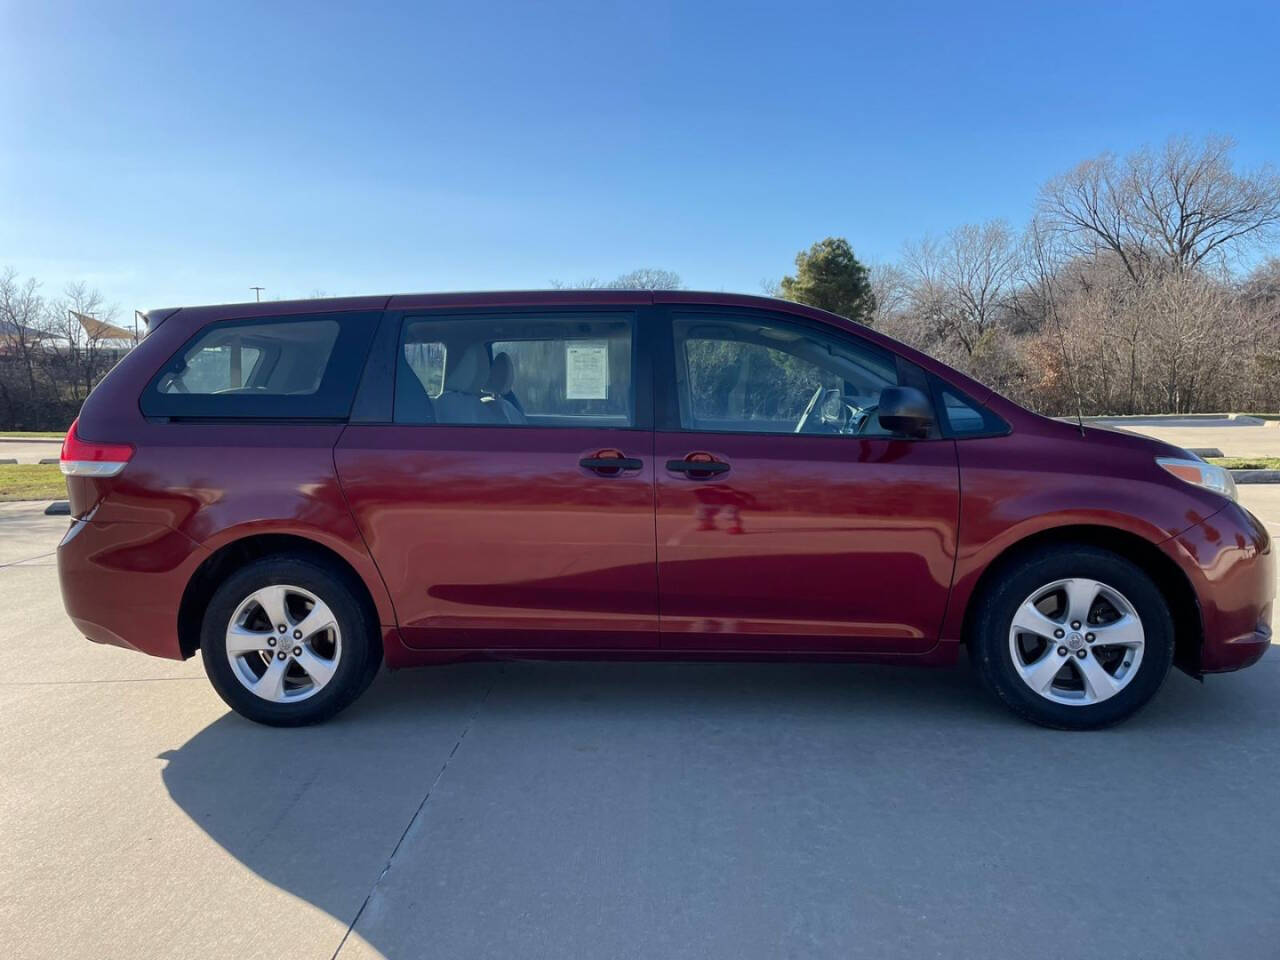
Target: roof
x=497, y=298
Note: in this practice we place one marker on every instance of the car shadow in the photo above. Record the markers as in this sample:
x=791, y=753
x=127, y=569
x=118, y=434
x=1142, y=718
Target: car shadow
x=318, y=811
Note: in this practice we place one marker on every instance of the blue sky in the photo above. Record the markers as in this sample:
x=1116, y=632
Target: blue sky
x=169, y=154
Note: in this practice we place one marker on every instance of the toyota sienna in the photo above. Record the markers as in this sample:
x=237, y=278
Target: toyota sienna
x=301, y=491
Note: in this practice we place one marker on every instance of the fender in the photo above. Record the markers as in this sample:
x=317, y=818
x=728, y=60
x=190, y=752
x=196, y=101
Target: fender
x=1006, y=498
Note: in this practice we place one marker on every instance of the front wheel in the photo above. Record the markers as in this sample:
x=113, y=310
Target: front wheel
x=1074, y=637
x=286, y=642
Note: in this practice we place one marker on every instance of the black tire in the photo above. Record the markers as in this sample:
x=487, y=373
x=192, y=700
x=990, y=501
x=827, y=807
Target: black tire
x=1015, y=581
x=357, y=665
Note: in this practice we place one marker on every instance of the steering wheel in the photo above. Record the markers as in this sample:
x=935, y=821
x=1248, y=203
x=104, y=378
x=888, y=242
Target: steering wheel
x=808, y=410
x=173, y=385
x=867, y=414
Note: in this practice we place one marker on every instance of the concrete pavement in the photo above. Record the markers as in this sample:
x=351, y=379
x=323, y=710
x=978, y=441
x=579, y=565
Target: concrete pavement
x=617, y=810
x=1235, y=438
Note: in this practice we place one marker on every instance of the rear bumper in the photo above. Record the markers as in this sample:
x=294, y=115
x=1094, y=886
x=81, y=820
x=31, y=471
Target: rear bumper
x=1231, y=563
x=122, y=583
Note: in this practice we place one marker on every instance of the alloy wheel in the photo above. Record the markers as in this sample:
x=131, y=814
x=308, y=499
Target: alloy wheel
x=1076, y=641
x=283, y=643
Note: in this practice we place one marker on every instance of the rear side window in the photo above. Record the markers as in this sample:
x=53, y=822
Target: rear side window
x=282, y=368
x=517, y=370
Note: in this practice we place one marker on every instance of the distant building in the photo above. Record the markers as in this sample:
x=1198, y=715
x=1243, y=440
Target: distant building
x=11, y=334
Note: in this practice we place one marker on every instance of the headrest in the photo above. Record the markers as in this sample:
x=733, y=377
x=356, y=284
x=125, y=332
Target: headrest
x=502, y=376
x=468, y=372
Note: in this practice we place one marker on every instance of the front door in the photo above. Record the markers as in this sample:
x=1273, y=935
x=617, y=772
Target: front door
x=787, y=518
x=510, y=502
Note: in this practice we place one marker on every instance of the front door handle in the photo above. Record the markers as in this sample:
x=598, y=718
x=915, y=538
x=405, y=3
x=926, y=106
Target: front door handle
x=698, y=469
x=610, y=466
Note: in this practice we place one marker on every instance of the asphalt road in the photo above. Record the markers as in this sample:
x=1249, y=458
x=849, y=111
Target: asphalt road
x=617, y=810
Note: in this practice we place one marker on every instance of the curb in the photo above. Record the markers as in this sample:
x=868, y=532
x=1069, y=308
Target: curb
x=31, y=439
x=1123, y=417
x=1256, y=476
x=1155, y=419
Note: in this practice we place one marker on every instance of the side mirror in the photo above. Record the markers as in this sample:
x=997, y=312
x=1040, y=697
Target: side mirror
x=905, y=410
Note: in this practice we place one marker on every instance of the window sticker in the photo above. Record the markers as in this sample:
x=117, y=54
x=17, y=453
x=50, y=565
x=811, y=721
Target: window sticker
x=586, y=371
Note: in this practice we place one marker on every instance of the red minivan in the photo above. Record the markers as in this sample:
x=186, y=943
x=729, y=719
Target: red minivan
x=303, y=490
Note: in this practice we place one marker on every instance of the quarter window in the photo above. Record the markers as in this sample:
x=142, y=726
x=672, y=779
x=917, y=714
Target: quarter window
x=964, y=418
x=517, y=370
x=764, y=376
x=283, y=368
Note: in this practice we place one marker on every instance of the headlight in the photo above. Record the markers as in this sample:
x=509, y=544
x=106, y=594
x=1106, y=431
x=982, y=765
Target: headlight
x=1201, y=474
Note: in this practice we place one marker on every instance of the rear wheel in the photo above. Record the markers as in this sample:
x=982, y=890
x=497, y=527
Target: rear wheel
x=1074, y=637
x=286, y=642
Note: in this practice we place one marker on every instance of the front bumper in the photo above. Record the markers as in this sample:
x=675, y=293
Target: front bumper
x=122, y=583
x=1230, y=561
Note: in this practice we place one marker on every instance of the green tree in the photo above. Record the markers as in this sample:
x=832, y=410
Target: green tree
x=830, y=277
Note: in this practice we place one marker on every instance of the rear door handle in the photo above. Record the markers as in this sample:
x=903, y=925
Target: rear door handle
x=698, y=469
x=610, y=466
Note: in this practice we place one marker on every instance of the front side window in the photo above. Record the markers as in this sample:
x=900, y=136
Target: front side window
x=290, y=368
x=517, y=370
x=739, y=375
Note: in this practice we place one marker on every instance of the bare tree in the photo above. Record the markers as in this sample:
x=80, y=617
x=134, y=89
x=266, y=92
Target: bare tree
x=964, y=283
x=644, y=278
x=647, y=278
x=927, y=297
x=1042, y=272
x=83, y=350
x=1201, y=334
x=23, y=336
x=981, y=268
x=1178, y=208
x=891, y=288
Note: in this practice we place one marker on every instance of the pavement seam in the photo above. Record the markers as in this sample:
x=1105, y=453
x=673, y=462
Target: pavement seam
x=63, y=683
x=40, y=556
x=386, y=868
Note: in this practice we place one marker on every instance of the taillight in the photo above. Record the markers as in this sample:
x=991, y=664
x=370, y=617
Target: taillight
x=83, y=459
